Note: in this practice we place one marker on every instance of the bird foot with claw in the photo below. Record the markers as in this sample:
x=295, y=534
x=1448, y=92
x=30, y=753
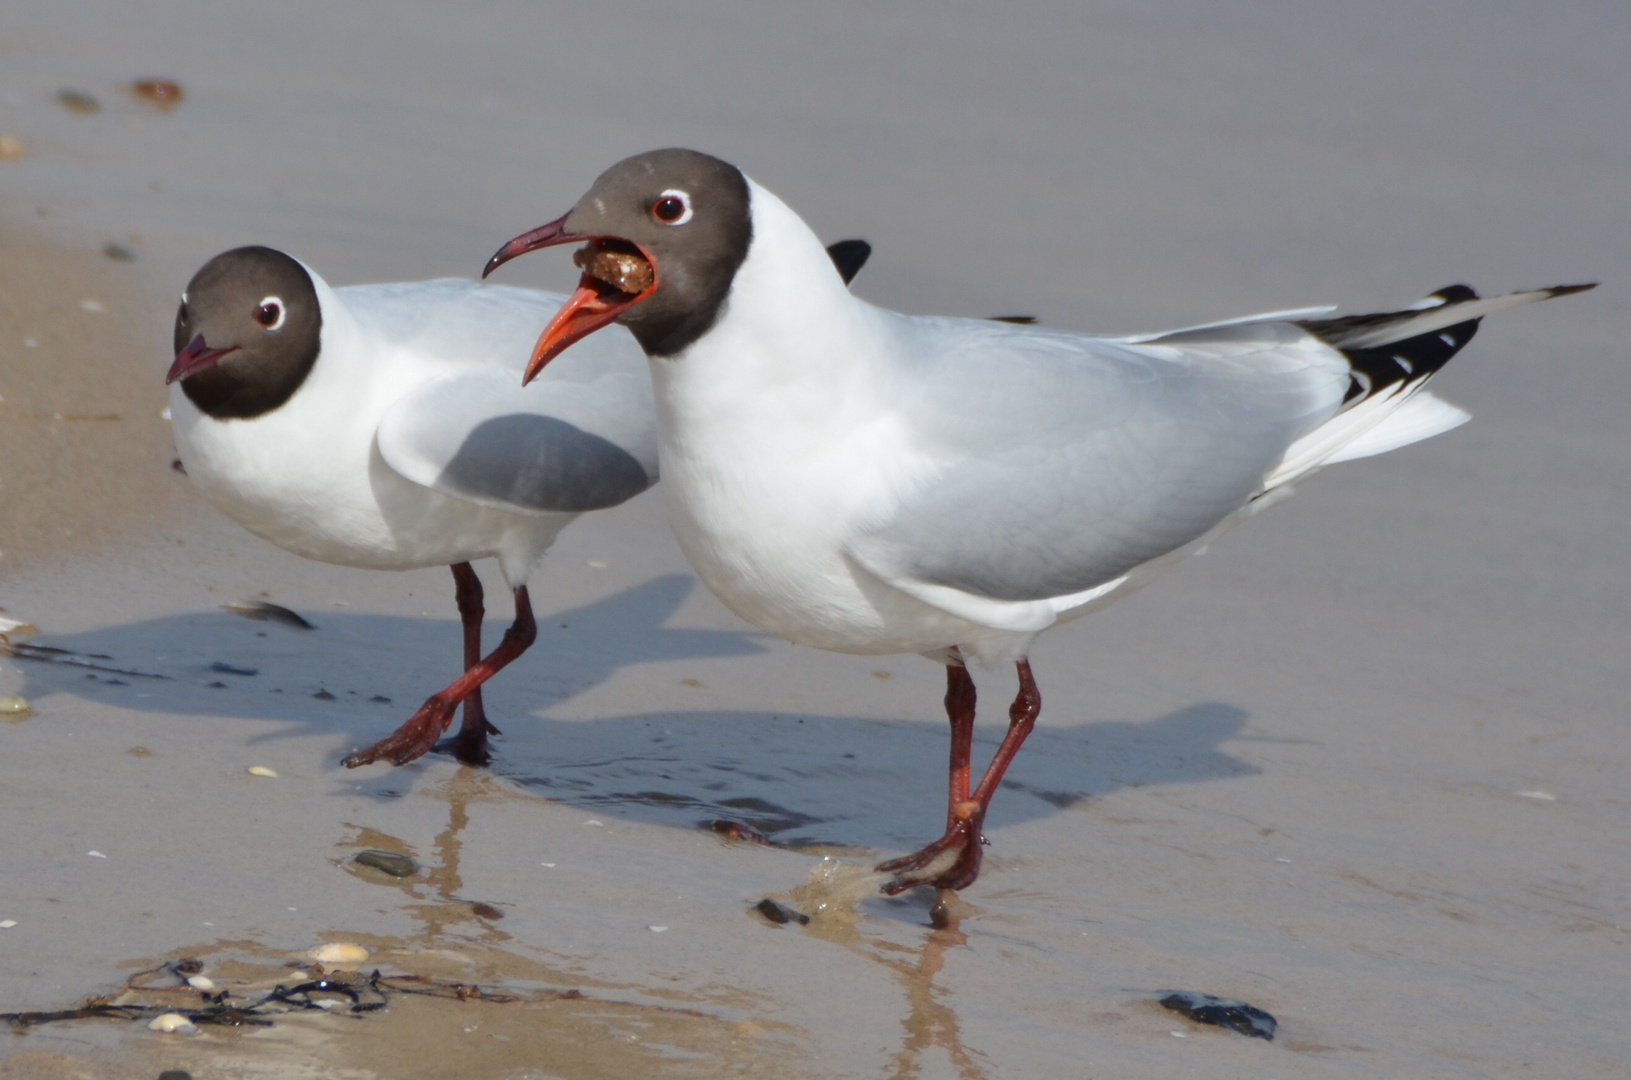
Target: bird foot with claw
x=412, y=740
x=951, y=862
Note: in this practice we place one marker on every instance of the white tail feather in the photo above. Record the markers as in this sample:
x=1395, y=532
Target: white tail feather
x=1397, y=416
x=1422, y=416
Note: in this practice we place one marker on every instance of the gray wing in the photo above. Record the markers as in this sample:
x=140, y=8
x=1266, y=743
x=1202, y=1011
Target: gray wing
x=584, y=439
x=1063, y=461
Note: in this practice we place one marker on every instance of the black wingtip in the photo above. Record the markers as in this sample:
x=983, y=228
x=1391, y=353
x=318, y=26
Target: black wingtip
x=1570, y=290
x=1455, y=294
x=1017, y=320
x=848, y=256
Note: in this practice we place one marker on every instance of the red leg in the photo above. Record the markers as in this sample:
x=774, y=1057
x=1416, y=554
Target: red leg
x=960, y=711
x=470, y=744
x=953, y=861
x=420, y=733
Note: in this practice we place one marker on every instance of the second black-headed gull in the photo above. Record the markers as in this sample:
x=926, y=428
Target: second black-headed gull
x=380, y=426
x=869, y=482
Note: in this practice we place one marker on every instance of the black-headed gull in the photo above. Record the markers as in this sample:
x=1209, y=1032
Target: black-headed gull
x=380, y=426
x=869, y=482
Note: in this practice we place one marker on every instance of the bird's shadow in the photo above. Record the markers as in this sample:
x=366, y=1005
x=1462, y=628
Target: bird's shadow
x=800, y=778
x=809, y=779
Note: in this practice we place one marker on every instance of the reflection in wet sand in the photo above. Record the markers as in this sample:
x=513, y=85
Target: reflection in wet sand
x=830, y=898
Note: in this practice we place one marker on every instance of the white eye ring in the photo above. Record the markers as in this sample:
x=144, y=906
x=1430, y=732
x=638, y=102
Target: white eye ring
x=272, y=302
x=684, y=200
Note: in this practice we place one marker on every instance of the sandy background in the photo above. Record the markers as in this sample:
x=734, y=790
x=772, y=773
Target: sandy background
x=1364, y=764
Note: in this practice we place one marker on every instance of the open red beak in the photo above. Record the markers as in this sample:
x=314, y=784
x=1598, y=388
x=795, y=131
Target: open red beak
x=592, y=306
x=195, y=358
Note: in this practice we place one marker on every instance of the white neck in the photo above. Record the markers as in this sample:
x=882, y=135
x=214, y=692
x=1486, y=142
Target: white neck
x=789, y=334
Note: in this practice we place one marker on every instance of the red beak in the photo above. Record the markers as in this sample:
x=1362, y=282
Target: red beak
x=591, y=307
x=195, y=358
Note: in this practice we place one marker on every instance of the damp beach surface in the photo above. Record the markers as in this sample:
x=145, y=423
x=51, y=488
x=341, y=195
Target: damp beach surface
x=1361, y=767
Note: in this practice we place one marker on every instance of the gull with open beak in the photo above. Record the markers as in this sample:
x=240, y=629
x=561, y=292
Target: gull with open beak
x=869, y=482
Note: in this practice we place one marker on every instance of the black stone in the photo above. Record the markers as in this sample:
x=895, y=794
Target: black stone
x=229, y=669
x=1238, y=1016
x=780, y=914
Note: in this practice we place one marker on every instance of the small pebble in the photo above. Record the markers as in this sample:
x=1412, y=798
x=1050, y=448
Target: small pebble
x=261, y=770
x=13, y=706
x=139, y=751
x=7, y=924
x=12, y=148
x=1238, y=1016
x=232, y=669
x=119, y=253
x=486, y=911
x=339, y=952
x=387, y=862
x=175, y=1074
x=625, y=271
x=173, y=1024
x=323, y=695
x=1542, y=796
x=657, y=929
x=597, y=824
x=92, y=305
x=780, y=914
x=189, y=966
x=159, y=93
x=201, y=982
x=78, y=101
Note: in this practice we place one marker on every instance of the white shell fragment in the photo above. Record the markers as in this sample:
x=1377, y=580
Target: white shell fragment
x=15, y=629
x=7, y=924
x=657, y=929
x=339, y=952
x=201, y=982
x=1542, y=796
x=261, y=770
x=174, y=1024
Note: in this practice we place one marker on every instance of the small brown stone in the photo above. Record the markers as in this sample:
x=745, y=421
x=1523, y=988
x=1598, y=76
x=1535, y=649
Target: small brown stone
x=623, y=270
x=159, y=93
x=387, y=862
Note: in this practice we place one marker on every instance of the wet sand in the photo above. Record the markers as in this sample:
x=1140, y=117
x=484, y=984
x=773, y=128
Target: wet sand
x=1362, y=765
x=84, y=453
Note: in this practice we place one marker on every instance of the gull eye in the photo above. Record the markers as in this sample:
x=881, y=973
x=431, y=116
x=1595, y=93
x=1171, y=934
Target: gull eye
x=271, y=313
x=673, y=207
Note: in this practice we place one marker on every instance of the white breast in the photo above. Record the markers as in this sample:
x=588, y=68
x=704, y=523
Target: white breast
x=308, y=477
